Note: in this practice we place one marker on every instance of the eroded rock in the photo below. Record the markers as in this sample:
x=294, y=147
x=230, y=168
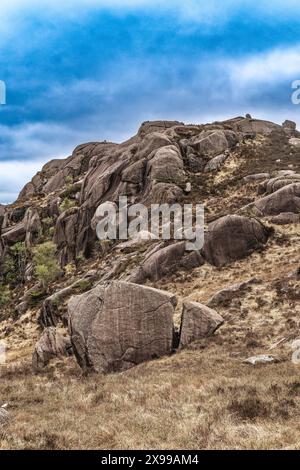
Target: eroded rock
x=286, y=199
x=14, y=234
x=52, y=344
x=215, y=163
x=225, y=296
x=167, y=261
x=233, y=237
x=256, y=177
x=117, y=326
x=286, y=218
x=198, y=322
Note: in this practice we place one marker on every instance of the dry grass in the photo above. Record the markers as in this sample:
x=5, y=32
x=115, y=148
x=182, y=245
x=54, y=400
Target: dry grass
x=202, y=398
x=199, y=399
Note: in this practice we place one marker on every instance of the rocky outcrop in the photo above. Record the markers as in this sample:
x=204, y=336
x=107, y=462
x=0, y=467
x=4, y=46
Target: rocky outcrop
x=165, y=261
x=32, y=225
x=152, y=142
x=213, y=142
x=65, y=235
x=198, y=322
x=2, y=214
x=224, y=297
x=14, y=234
x=52, y=344
x=256, y=177
x=216, y=163
x=120, y=325
x=291, y=125
x=166, y=165
x=157, y=126
x=251, y=127
x=153, y=166
x=233, y=237
x=116, y=326
x=57, y=173
x=286, y=218
x=271, y=185
x=286, y=199
x=51, y=312
x=294, y=142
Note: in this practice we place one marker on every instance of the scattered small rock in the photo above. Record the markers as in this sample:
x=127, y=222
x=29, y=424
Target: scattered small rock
x=257, y=177
x=4, y=415
x=261, y=359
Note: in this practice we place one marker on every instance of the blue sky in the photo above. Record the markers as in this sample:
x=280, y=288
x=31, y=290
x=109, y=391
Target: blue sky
x=79, y=71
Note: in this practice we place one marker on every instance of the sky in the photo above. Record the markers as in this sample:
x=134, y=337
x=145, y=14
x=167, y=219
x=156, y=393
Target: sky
x=88, y=70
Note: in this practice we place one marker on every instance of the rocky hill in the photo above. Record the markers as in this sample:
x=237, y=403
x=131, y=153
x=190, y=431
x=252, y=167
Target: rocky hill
x=182, y=321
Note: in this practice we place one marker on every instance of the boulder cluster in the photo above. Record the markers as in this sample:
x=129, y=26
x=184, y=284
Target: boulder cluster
x=155, y=166
x=117, y=326
x=117, y=321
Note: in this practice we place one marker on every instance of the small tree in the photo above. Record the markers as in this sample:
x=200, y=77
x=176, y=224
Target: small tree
x=20, y=254
x=15, y=264
x=47, y=268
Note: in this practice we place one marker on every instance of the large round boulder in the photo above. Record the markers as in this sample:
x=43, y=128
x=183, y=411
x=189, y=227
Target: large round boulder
x=286, y=199
x=166, y=261
x=117, y=326
x=233, y=237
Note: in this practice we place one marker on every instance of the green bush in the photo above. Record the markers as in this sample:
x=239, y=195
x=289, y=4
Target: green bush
x=83, y=285
x=48, y=221
x=36, y=296
x=70, y=190
x=5, y=295
x=47, y=268
x=67, y=204
x=15, y=263
x=69, y=179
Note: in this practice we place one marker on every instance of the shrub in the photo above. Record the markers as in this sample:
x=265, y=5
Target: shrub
x=70, y=190
x=80, y=258
x=67, y=204
x=47, y=221
x=36, y=297
x=69, y=179
x=70, y=269
x=19, y=252
x=47, y=268
x=15, y=263
x=5, y=295
x=83, y=285
x=51, y=231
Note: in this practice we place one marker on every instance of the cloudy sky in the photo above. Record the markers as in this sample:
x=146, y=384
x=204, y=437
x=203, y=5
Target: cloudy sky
x=86, y=70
